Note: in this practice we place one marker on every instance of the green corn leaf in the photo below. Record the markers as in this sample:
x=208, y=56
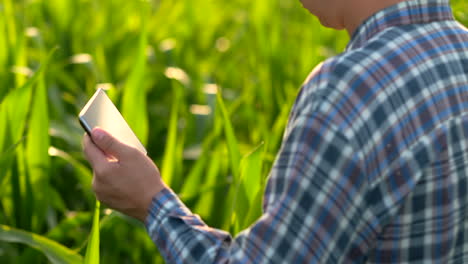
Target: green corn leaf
x=55, y=252
x=248, y=187
x=72, y=228
x=18, y=105
x=134, y=96
x=7, y=148
x=207, y=199
x=240, y=209
x=196, y=177
x=61, y=13
x=251, y=172
x=38, y=132
x=3, y=127
x=255, y=210
x=168, y=164
x=18, y=101
x=192, y=182
x=232, y=144
x=234, y=159
x=4, y=54
x=37, y=156
x=8, y=13
x=92, y=251
x=83, y=174
x=278, y=128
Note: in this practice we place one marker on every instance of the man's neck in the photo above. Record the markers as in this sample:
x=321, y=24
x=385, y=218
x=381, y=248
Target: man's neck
x=358, y=11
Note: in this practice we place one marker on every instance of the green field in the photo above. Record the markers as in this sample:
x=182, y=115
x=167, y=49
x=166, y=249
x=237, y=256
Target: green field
x=207, y=86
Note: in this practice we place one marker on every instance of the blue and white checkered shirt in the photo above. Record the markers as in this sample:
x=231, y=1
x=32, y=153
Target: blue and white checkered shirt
x=374, y=163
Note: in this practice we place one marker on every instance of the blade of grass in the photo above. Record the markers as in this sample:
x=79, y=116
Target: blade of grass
x=7, y=147
x=248, y=186
x=60, y=13
x=4, y=54
x=92, y=251
x=168, y=163
x=274, y=138
x=9, y=193
x=3, y=126
x=253, y=184
x=255, y=210
x=18, y=101
x=134, y=96
x=205, y=204
x=251, y=172
x=37, y=152
x=18, y=105
x=234, y=159
x=83, y=174
x=21, y=60
x=11, y=25
x=193, y=180
x=16, y=201
x=232, y=144
x=55, y=252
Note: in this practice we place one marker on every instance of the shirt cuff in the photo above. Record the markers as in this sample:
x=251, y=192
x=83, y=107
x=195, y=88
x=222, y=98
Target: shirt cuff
x=164, y=203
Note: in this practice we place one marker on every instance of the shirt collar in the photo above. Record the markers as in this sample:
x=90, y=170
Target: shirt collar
x=403, y=13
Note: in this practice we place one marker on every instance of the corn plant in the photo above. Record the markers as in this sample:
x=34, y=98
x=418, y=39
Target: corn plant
x=206, y=85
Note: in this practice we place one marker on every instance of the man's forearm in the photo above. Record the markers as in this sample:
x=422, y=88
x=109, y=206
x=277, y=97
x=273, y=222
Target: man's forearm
x=182, y=236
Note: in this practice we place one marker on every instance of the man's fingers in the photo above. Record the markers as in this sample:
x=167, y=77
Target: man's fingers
x=109, y=144
x=93, y=154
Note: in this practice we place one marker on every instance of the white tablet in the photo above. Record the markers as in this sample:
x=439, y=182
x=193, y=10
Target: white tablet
x=101, y=112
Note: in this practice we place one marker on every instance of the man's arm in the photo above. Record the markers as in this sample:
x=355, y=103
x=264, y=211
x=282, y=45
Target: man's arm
x=314, y=204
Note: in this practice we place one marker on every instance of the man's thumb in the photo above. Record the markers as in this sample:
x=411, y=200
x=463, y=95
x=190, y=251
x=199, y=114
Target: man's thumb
x=107, y=143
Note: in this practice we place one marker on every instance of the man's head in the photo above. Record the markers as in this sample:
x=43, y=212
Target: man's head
x=345, y=14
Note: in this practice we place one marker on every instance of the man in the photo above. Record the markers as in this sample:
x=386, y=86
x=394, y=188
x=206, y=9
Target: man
x=374, y=162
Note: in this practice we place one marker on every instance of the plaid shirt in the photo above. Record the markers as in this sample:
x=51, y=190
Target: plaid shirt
x=374, y=163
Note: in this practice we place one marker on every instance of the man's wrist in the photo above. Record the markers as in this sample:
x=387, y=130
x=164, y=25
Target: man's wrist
x=147, y=201
x=163, y=203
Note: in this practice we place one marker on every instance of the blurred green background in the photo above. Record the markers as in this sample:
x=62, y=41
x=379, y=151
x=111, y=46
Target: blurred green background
x=207, y=86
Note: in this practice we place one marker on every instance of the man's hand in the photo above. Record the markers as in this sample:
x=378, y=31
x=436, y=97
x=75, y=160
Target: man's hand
x=124, y=178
